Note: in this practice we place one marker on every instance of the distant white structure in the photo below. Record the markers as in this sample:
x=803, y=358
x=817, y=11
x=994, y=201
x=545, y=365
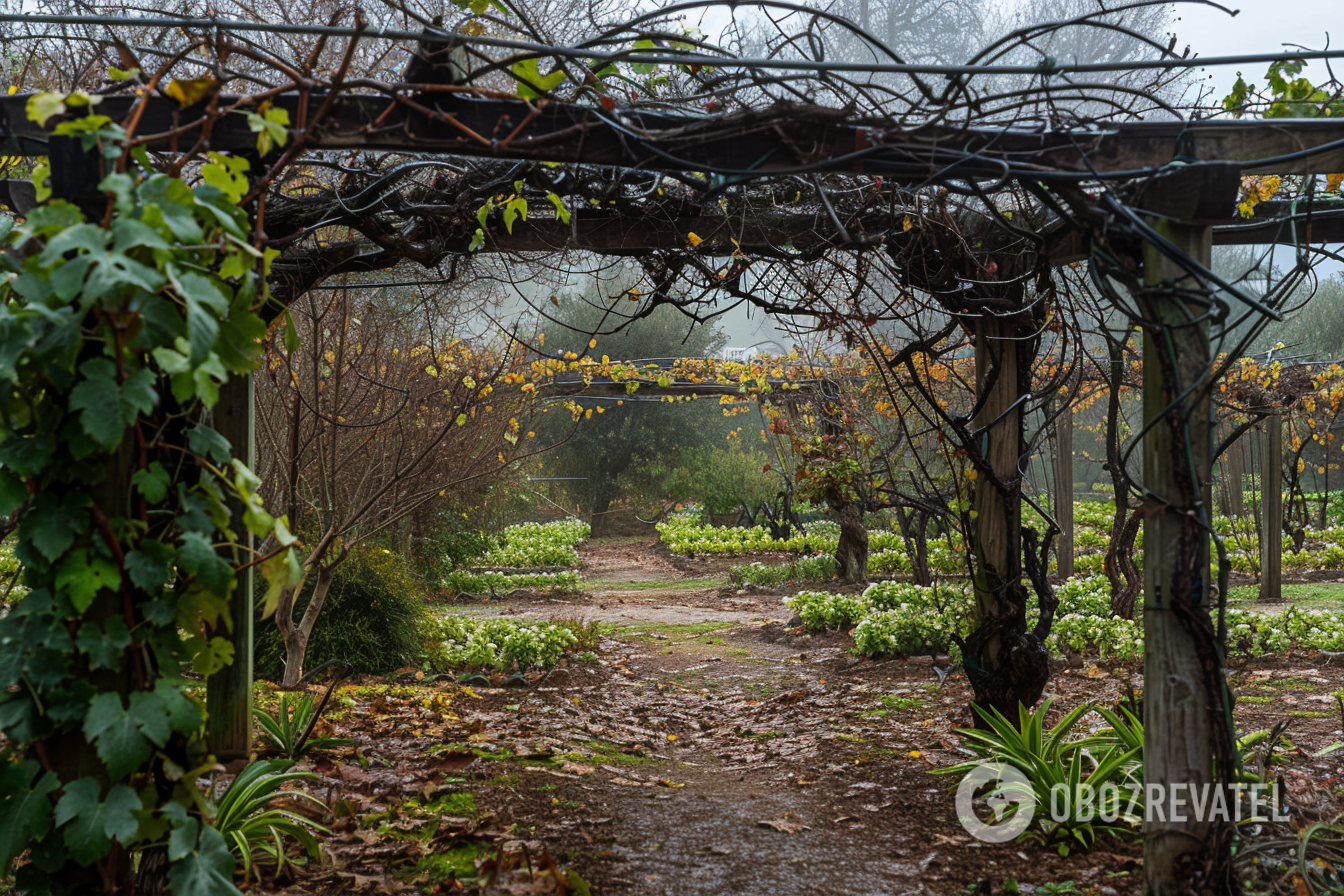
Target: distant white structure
x=743, y=354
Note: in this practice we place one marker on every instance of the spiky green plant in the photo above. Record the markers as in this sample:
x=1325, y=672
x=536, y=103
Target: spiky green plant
x=257, y=827
x=290, y=728
x=1100, y=777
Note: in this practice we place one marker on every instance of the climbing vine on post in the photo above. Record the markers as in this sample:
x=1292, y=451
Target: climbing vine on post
x=122, y=317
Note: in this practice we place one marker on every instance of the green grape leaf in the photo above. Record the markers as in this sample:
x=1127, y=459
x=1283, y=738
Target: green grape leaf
x=208, y=443
x=150, y=714
x=271, y=125
x=150, y=565
x=561, y=213
x=104, y=644
x=531, y=82
x=152, y=482
x=120, y=742
x=91, y=825
x=98, y=400
x=207, y=871
x=25, y=807
x=291, y=334
x=228, y=174
x=82, y=576
x=42, y=106
x=13, y=492
x=184, y=713
x=197, y=556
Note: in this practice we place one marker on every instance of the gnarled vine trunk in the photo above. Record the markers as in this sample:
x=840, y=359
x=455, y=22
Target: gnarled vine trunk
x=1007, y=664
x=851, y=555
x=1118, y=565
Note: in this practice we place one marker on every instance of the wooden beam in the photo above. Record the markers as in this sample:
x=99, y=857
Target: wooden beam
x=1271, y=531
x=228, y=693
x=1176, y=568
x=780, y=138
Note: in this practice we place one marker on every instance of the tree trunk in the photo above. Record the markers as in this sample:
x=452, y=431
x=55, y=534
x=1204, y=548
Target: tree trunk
x=851, y=555
x=1271, y=530
x=1006, y=664
x=1064, y=491
x=1185, y=717
x=297, y=636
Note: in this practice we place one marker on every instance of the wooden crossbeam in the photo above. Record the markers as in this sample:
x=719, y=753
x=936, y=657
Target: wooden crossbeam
x=781, y=138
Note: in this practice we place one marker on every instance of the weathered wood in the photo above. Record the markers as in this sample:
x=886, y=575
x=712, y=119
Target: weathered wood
x=769, y=140
x=1176, y=568
x=1271, y=529
x=228, y=699
x=1234, y=476
x=1064, y=491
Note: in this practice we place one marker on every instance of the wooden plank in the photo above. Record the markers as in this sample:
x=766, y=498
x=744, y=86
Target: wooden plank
x=228, y=693
x=1176, y=567
x=1271, y=531
x=1064, y=491
x=777, y=139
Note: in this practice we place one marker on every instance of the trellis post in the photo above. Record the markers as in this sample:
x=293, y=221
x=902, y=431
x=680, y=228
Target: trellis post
x=1271, y=531
x=1176, y=569
x=1064, y=490
x=1234, y=478
x=229, y=692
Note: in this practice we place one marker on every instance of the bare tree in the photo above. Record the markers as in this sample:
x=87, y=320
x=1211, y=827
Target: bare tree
x=367, y=412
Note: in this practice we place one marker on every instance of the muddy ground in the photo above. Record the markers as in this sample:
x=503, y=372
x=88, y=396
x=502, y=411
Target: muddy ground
x=709, y=749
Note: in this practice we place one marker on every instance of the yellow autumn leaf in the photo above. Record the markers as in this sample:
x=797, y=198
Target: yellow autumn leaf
x=906, y=223
x=1269, y=186
x=190, y=91
x=592, y=343
x=1332, y=182
x=693, y=239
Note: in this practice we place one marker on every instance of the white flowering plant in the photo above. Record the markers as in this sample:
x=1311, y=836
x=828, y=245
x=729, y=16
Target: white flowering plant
x=538, y=544
x=461, y=642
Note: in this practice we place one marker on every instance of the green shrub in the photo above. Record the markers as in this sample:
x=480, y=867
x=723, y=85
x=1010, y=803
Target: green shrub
x=454, y=643
x=372, y=618
x=538, y=544
x=888, y=633
x=821, y=610
x=820, y=568
x=453, y=543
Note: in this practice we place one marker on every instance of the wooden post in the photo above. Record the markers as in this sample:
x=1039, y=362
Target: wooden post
x=1064, y=491
x=1176, y=568
x=1234, y=465
x=1271, y=530
x=228, y=700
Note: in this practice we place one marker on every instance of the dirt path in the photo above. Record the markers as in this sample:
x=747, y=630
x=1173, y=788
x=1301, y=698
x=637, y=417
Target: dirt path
x=709, y=750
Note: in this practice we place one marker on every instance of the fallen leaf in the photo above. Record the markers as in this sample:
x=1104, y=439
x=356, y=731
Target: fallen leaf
x=784, y=826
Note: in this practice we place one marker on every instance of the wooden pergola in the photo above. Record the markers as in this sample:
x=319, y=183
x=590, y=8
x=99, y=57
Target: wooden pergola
x=1187, y=174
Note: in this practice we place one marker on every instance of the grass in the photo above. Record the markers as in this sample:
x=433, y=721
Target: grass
x=603, y=753
x=1257, y=700
x=1310, y=594
x=1290, y=684
x=648, y=631
x=457, y=863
